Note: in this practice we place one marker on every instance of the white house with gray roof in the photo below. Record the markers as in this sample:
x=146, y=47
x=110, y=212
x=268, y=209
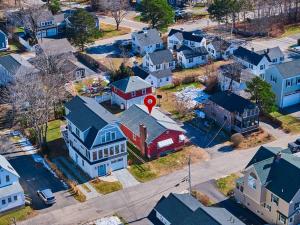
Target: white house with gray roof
x=189, y=58
x=95, y=142
x=285, y=81
x=220, y=49
x=11, y=192
x=159, y=60
x=54, y=47
x=146, y=41
x=178, y=38
x=3, y=41
x=13, y=65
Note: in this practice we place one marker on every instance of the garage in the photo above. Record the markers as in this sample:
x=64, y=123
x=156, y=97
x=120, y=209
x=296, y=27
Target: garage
x=51, y=32
x=117, y=164
x=290, y=100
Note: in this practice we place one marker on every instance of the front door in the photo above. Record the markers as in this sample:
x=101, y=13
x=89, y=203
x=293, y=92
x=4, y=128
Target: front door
x=102, y=170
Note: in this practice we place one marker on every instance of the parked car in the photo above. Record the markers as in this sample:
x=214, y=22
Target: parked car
x=295, y=146
x=47, y=196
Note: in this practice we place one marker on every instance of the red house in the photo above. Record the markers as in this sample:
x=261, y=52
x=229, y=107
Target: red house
x=154, y=134
x=129, y=91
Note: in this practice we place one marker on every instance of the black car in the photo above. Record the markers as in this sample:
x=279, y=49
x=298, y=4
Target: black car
x=295, y=146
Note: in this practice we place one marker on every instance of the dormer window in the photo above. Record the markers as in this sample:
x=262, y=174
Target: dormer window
x=252, y=180
x=274, y=199
x=7, y=178
x=113, y=136
x=77, y=132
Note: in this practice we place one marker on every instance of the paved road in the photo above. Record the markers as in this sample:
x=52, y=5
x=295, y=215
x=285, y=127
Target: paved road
x=135, y=203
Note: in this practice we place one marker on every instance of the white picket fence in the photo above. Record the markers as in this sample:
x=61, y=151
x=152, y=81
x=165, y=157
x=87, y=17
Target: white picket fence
x=103, y=98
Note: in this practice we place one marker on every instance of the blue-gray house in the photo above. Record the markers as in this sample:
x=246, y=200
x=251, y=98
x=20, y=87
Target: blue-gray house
x=3, y=41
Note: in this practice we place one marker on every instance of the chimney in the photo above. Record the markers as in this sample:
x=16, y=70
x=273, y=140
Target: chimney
x=143, y=137
x=252, y=49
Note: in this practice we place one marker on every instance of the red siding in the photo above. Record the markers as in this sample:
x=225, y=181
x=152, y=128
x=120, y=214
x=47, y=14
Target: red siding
x=152, y=149
x=128, y=96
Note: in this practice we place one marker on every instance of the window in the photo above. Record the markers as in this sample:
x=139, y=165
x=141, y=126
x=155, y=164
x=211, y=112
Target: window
x=262, y=67
x=42, y=24
x=133, y=94
x=268, y=207
x=102, y=138
x=9, y=199
x=7, y=178
x=94, y=155
x=274, y=60
x=105, y=152
x=3, y=202
x=252, y=180
x=134, y=137
x=143, y=91
x=191, y=60
x=122, y=147
x=157, y=45
x=100, y=154
x=274, y=199
x=111, y=151
x=82, y=162
x=107, y=136
x=158, y=67
x=203, y=57
x=15, y=198
x=117, y=149
x=113, y=136
x=298, y=80
x=170, y=64
x=281, y=58
x=296, y=206
x=288, y=83
x=251, y=66
x=273, y=78
x=262, y=76
x=282, y=218
x=77, y=132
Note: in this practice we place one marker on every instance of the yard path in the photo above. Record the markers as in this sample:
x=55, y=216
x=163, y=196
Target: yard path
x=135, y=203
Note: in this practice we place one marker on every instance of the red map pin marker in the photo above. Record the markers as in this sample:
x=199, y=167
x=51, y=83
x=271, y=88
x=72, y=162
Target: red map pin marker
x=150, y=102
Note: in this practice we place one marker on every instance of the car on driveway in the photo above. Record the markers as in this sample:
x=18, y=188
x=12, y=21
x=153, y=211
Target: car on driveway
x=295, y=146
x=47, y=196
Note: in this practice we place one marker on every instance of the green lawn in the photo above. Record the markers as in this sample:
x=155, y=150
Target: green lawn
x=54, y=130
x=291, y=29
x=137, y=18
x=227, y=184
x=104, y=187
x=109, y=31
x=19, y=214
x=289, y=123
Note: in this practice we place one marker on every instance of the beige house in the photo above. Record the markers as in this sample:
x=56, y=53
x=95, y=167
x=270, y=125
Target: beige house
x=270, y=186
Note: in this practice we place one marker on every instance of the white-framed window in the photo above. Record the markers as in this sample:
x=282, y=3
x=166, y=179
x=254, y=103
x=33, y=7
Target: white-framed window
x=191, y=60
x=262, y=67
x=123, y=147
x=117, y=149
x=144, y=91
x=252, y=180
x=297, y=206
x=274, y=199
x=282, y=218
x=158, y=66
x=15, y=198
x=107, y=136
x=100, y=154
x=77, y=132
x=111, y=151
x=273, y=78
x=133, y=94
x=103, y=139
x=42, y=24
x=298, y=80
x=105, y=152
x=134, y=137
x=94, y=156
x=113, y=135
x=288, y=83
x=7, y=178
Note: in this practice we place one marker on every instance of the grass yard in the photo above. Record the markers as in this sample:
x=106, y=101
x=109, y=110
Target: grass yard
x=19, y=215
x=54, y=130
x=227, y=184
x=104, y=187
x=255, y=139
x=109, y=31
x=289, y=123
x=291, y=29
x=167, y=164
x=137, y=18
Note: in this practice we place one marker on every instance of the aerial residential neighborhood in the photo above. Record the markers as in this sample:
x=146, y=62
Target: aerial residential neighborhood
x=149, y=112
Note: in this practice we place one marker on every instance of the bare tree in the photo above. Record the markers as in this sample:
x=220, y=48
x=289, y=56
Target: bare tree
x=35, y=94
x=118, y=10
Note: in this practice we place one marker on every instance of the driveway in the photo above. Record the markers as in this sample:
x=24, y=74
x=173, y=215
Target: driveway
x=125, y=177
x=34, y=176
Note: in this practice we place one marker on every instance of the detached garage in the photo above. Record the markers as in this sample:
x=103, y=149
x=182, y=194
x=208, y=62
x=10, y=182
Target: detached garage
x=290, y=100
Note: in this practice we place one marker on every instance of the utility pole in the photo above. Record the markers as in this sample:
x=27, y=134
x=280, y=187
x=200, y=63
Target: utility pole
x=190, y=182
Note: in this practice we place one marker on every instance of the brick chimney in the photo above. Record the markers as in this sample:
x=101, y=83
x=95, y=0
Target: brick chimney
x=143, y=137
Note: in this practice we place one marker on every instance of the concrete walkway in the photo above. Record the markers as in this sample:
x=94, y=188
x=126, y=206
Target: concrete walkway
x=125, y=177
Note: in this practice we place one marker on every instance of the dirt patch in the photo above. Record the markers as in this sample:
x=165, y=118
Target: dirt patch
x=255, y=139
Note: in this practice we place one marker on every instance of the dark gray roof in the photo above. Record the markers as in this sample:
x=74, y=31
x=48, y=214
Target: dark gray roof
x=288, y=69
x=148, y=37
x=130, y=84
x=185, y=35
x=86, y=114
x=278, y=170
x=140, y=72
x=3, y=37
x=55, y=46
x=156, y=123
x=162, y=73
x=192, y=53
x=271, y=53
x=161, y=56
x=183, y=209
x=248, y=55
x=220, y=44
x=4, y=164
x=231, y=102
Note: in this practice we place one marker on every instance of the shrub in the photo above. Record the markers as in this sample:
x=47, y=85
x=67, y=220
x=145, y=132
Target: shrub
x=237, y=139
x=203, y=198
x=188, y=79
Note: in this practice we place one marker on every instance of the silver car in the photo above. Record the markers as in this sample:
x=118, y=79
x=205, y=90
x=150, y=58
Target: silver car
x=47, y=196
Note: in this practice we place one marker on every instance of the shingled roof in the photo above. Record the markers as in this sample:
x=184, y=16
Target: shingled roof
x=232, y=102
x=185, y=35
x=248, y=55
x=278, y=170
x=288, y=69
x=161, y=56
x=156, y=122
x=192, y=53
x=148, y=37
x=220, y=44
x=130, y=84
x=86, y=114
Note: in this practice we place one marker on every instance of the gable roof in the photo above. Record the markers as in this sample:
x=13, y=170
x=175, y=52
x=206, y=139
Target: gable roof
x=161, y=56
x=220, y=44
x=87, y=114
x=183, y=209
x=226, y=98
x=271, y=53
x=156, y=122
x=148, y=37
x=4, y=164
x=162, y=73
x=288, y=69
x=192, y=53
x=278, y=170
x=140, y=72
x=130, y=84
x=52, y=46
x=248, y=55
x=185, y=35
